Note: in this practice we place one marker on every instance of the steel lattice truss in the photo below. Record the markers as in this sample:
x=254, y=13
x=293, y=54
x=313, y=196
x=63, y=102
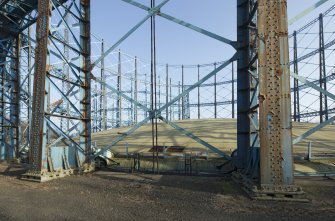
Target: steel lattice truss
x=205, y=100
x=54, y=94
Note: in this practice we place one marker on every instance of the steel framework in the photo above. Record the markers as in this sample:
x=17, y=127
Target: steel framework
x=59, y=113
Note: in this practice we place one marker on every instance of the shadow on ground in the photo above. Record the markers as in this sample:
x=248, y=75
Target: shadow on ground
x=12, y=170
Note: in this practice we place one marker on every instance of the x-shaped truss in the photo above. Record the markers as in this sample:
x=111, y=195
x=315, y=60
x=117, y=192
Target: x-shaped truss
x=157, y=113
x=154, y=114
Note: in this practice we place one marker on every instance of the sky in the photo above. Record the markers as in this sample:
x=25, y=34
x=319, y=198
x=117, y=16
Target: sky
x=175, y=44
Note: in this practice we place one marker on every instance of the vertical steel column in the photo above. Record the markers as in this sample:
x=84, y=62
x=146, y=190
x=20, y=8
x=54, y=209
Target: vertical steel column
x=7, y=85
x=247, y=90
x=131, y=112
x=154, y=89
x=38, y=156
x=243, y=83
x=167, y=92
x=215, y=94
x=66, y=71
x=232, y=91
x=146, y=95
x=296, y=101
x=2, y=104
x=276, y=161
x=119, y=104
x=322, y=65
x=15, y=99
x=47, y=91
x=135, y=92
x=29, y=102
x=85, y=76
x=8, y=75
x=187, y=106
x=113, y=115
x=95, y=109
x=62, y=75
x=253, y=158
x=198, y=92
x=159, y=91
x=171, y=110
x=182, y=90
x=179, y=112
x=103, y=97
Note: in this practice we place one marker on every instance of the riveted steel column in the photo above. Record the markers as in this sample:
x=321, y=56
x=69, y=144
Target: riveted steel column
x=276, y=164
x=85, y=76
x=2, y=104
x=38, y=156
x=29, y=84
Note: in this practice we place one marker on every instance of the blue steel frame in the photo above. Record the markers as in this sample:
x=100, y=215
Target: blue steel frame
x=157, y=114
x=47, y=159
x=247, y=83
x=10, y=98
x=248, y=155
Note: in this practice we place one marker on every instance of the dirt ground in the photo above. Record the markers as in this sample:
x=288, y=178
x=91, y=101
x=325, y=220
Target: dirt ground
x=108, y=195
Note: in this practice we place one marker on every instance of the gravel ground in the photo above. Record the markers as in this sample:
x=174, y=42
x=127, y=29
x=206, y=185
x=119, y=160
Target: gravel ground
x=108, y=195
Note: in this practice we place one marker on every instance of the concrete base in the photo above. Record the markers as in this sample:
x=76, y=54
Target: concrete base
x=270, y=192
x=46, y=176
x=88, y=167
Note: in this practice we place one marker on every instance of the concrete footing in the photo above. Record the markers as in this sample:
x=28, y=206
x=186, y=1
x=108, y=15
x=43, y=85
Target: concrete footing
x=47, y=176
x=270, y=192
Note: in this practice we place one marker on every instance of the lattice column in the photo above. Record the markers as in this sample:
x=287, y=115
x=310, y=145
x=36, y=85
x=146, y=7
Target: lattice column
x=9, y=98
x=69, y=148
x=247, y=82
x=85, y=76
x=15, y=99
x=2, y=102
x=38, y=157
